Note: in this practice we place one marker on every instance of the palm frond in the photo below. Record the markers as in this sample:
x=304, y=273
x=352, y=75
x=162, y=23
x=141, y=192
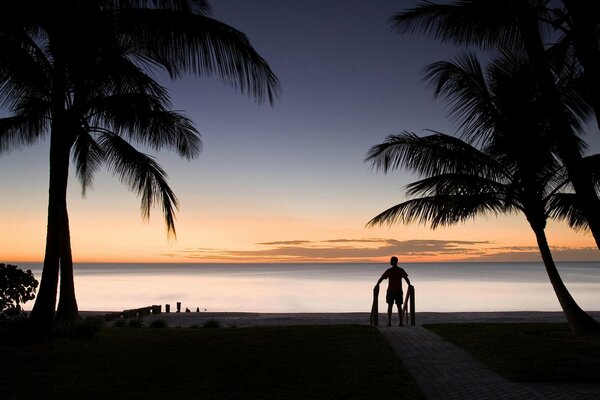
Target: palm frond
x=564, y=207
x=185, y=42
x=462, y=83
x=143, y=175
x=144, y=119
x=430, y=155
x=88, y=158
x=22, y=130
x=22, y=75
x=196, y=6
x=592, y=164
x=484, y=23
x=440, y=210
x=456, y=184
x=115, y=74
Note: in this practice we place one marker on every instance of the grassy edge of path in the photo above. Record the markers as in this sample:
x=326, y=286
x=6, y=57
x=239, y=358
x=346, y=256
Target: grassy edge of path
x=308, y=362
x=528, y=352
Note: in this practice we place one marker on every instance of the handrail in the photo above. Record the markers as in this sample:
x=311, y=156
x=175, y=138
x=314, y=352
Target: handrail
x=409, y=306
x=408, y=309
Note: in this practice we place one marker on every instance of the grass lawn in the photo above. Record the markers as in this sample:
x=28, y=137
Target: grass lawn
x=312, y=362
x=528, y=352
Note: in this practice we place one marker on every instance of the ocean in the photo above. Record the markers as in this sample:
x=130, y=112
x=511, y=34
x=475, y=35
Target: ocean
x=314, y=287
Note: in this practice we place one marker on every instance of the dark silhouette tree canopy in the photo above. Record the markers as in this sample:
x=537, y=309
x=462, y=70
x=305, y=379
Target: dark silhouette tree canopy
x=520, y=24
x=16, y=287
x=79, y=71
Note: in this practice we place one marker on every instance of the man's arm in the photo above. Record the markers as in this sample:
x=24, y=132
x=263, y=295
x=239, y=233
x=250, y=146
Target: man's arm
x=405, y=276
x=384, y=276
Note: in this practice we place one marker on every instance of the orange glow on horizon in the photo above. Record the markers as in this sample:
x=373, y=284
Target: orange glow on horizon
x=101, y=235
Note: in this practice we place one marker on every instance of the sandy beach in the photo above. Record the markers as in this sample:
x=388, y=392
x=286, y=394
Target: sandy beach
x=243, y=319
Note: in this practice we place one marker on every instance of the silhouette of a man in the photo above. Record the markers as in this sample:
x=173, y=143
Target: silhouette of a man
x=394, y=293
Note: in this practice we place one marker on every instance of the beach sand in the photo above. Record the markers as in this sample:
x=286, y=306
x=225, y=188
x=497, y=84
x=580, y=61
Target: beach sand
x=245, y=319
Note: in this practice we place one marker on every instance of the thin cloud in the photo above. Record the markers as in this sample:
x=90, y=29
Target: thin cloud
x=356, y=250
x=531, y=253
x=285, y=243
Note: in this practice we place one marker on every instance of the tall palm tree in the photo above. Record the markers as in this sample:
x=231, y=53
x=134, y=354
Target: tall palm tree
x=79, y=71
x=460, y=182
x=582, y=20
x=516, y=23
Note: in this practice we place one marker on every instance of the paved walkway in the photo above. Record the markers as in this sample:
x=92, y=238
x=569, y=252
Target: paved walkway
x=444, y=371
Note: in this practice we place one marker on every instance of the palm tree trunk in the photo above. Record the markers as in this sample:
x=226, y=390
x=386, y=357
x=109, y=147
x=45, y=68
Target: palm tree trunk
x=580, y=322
x=583, y=14
x=67, y=303
x=43, y=309
x=565, y=138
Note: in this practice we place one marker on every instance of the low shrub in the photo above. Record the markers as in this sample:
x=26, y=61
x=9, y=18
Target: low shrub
x=212, y=323
x=158, y=323
x=119, y=323
x=135, y=323
x=83, y=328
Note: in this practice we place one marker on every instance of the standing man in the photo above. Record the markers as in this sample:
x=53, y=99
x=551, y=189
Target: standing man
x=395, y=274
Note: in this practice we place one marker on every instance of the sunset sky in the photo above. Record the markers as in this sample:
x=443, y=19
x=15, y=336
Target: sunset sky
x=288, y=182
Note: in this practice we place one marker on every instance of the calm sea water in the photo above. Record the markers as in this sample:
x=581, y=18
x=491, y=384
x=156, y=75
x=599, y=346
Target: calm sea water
x=327, y=287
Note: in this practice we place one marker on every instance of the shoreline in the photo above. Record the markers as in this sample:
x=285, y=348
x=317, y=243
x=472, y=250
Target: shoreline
x=247, y=319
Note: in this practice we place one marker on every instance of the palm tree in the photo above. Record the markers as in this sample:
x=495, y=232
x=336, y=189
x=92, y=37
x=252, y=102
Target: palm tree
x=461, y=182
x=79, y=71
x=582, y=20
x=513, y=23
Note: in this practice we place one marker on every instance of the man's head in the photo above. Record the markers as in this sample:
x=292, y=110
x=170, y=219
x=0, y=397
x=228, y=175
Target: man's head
x=394, y=261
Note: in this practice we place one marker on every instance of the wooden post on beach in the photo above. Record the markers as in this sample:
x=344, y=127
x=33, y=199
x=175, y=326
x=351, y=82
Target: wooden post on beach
x=178, y=306
x=167, y=308
x=375, y=307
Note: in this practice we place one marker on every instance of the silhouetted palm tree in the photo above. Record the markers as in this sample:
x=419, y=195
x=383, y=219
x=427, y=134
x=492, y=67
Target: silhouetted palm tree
x=515, y=170
x=581, y=25
x=516, y=23
x=78, y=71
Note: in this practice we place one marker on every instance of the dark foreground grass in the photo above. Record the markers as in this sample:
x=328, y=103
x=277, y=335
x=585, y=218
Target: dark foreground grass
x=528, y=352
x=312, y=362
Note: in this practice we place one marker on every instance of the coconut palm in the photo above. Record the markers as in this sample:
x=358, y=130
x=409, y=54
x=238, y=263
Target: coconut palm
x=581, y=24
x=514, y=171
x=79, y=72
x=514, y=23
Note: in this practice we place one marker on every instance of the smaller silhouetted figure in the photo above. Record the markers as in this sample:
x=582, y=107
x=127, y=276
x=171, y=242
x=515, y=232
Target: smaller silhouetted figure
x=187, y=310
x=394, y=274
x=178, y=306
x=197, y=309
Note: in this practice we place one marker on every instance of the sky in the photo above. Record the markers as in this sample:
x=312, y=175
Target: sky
x=288, y=182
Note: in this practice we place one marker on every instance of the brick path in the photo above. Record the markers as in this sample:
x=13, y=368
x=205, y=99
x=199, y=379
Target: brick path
x=444, y=371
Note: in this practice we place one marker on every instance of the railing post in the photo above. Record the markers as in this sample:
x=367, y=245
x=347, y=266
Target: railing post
x=411, y=292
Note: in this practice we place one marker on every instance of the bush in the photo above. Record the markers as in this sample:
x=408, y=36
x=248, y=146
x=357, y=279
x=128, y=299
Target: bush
x=120, y=323
x=16, y=288
x=212, y=323
x=85, y=328
x=159, y=323
x=135, y=323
